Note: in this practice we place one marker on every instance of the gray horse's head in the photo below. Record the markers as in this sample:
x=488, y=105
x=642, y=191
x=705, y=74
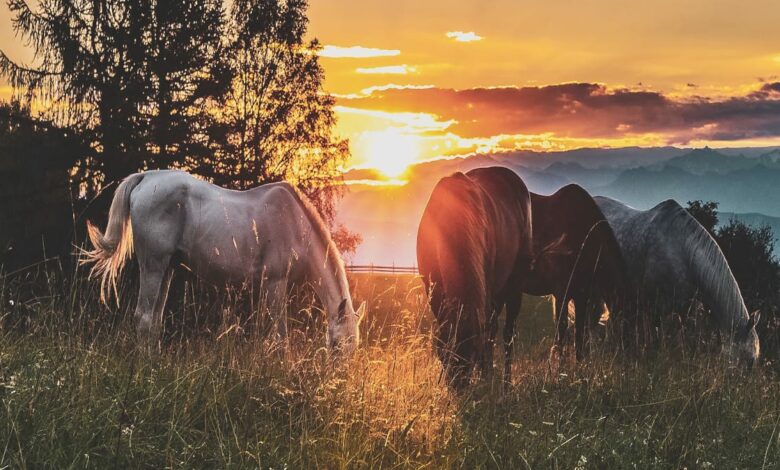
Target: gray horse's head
x=745, y=347
x=344, y=333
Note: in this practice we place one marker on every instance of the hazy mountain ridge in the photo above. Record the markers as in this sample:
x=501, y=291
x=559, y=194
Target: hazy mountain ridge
x=746, y=190
x=744, y=181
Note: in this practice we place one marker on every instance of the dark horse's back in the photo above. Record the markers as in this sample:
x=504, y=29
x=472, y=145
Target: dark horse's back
x=473, y=233
x=573, y=243
x=510, y=202
x=577, y=258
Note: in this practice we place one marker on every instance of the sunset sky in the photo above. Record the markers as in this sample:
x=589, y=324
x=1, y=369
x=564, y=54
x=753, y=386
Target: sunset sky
x=416, y=80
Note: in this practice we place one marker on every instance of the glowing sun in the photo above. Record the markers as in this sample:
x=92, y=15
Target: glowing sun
x=390, y=151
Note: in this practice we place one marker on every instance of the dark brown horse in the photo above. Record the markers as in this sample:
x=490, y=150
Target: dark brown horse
x=576, y=257
x=474, y=248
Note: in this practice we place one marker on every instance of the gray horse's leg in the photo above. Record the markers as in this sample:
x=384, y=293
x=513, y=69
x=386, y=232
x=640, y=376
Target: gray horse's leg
x=156, y=274
x=513, y=305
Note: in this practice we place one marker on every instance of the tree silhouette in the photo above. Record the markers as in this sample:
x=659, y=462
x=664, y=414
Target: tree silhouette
x=235, y=97
x=35, y=195
x=749, y=252
x=706, y=213
x=346, y=241
x=277, y=121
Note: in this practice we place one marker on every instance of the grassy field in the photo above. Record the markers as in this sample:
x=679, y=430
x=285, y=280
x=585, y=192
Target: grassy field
x=76, y=393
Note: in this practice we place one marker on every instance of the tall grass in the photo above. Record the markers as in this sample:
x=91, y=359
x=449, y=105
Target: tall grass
x=75, y=392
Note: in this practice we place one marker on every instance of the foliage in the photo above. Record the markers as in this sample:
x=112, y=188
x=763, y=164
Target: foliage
x=346, y=241
x=706, y=213
x=127, y=75
x=276, y=120
x=749, y=251
x=234, y=97
x=36, y=214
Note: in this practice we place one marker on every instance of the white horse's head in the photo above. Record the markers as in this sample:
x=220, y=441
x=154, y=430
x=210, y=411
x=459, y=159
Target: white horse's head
x=745, y=347
x=344, y=333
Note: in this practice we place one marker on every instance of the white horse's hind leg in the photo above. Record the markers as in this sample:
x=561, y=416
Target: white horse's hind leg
x=155, y=280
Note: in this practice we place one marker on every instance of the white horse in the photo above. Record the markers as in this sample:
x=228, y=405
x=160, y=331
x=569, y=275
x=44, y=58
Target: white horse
x=269, y=237
x=670, y=258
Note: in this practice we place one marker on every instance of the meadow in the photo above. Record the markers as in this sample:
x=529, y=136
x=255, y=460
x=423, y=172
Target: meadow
x=76, y=393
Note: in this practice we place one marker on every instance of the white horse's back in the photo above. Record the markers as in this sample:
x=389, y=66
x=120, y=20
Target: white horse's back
x=221, y=234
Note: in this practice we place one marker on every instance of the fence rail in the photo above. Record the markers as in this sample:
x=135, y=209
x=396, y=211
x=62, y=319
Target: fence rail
x=373, y=268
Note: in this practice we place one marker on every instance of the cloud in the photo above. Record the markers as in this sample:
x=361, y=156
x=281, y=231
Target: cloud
x=587, y=110
x=419, y=122
x=462, y=36
x=356, y=52
x=387, y=70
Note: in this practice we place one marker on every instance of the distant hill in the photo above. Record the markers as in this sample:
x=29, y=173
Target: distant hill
x=591, y=158
x=706, y=160
x=576, y=173
x=756, y=189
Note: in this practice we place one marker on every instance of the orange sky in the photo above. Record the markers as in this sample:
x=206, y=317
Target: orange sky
x=421, y=79
x=548, y=74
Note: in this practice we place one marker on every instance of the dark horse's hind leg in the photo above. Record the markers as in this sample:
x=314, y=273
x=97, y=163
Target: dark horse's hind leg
x=562, y=323
x=486, y=361
x=581, y=323
x=513, y=305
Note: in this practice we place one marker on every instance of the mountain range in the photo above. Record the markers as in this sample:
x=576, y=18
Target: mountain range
x=744, y=181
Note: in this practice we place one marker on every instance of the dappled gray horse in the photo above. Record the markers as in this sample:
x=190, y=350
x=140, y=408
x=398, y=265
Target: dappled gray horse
x=670, y=258
x=269, y=237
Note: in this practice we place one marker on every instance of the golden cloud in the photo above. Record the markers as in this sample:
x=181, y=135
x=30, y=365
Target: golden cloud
x=356, y=52
x=387, y=70
x=463, y=36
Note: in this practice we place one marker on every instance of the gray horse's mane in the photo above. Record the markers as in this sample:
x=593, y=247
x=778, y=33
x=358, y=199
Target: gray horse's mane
x=707, y=264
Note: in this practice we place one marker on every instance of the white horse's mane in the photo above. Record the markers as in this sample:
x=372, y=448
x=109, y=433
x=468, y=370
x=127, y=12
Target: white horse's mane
x=320, y=228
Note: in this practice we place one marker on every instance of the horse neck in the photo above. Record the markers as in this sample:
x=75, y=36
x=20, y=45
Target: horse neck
x=327, y=275
x=714, y=278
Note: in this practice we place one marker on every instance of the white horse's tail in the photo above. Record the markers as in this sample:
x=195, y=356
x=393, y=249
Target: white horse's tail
x=112, y=249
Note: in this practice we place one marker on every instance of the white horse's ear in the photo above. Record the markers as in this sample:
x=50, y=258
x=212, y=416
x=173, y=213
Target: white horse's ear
x=361, y=312
x=342, y=310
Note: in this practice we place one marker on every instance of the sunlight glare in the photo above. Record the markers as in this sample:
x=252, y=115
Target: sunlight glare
x=390, y=151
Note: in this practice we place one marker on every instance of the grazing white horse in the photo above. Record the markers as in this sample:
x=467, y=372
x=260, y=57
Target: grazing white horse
x=670, y=258
x=269, y=237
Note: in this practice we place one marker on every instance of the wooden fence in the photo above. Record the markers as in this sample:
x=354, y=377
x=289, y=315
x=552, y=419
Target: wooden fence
x=377, y=269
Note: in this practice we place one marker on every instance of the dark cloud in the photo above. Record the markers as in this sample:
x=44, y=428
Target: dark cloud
x=588, y=110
